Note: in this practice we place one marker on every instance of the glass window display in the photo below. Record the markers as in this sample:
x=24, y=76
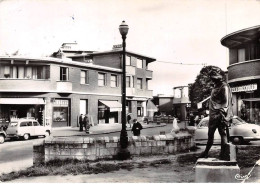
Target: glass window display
x=60, y=113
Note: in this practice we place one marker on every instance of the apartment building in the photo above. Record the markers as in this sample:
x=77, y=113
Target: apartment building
x=57, y=89
x=244, y=72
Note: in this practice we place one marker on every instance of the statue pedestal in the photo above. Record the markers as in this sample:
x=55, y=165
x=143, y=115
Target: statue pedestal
x=215, y=171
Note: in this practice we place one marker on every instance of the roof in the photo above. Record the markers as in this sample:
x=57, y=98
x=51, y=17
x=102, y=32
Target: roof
x=240, y=37
x=66, y=61
x=149, y=59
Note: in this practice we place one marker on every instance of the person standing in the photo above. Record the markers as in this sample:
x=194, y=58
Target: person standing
x=137, y=127
x=86, y=124
x=129, y=119
x=81, y=122
x=220, y=112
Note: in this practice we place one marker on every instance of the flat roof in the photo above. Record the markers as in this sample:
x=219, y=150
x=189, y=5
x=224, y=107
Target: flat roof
x=240, y=37
x=66, y=61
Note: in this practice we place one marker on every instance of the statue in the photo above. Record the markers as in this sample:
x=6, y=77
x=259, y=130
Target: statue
x=220, y=113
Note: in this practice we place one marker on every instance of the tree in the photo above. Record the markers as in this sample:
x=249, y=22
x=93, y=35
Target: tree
x=201, y=88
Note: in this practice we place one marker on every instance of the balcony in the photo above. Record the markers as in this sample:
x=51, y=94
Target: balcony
x=64, y=86
x=25, y=85
x=132, y=92
x=242, y=71
x=130, y=70
x=149, y=74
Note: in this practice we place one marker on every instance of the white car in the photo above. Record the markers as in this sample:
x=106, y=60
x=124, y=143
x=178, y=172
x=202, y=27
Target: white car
x=27, y=128
x=239, y=131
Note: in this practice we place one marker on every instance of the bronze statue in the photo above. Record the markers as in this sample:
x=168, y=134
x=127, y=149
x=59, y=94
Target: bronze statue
x=220, y=112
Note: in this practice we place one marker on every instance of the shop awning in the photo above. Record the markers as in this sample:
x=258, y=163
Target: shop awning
x=151, y=106
x=251, y=99
x=114, y=106
x=22, y=101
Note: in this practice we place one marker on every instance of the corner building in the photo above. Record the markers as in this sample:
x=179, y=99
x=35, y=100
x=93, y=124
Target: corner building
x=244, y=72
x=57, y=89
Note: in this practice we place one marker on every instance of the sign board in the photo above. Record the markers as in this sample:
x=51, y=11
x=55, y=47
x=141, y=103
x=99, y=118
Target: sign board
x=244, y=88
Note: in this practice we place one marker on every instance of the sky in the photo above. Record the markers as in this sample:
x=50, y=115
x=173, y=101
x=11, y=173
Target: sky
x=181, y=35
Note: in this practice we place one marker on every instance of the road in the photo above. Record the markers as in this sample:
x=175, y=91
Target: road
x=18, y=154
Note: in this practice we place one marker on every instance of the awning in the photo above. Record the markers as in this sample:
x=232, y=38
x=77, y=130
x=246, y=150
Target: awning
x=251, y=99
x=22, y=101
x=151, y=106
x=114, y=106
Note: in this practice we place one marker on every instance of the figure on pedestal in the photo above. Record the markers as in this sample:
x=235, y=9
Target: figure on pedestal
x=220, y=112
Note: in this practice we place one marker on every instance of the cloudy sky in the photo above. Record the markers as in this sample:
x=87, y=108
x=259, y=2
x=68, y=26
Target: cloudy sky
x=181, y=34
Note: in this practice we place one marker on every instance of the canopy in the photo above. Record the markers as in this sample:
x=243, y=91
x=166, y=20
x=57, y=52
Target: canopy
x=22, y=101
x=151, y=106
x=114, y=106
x=251, y=99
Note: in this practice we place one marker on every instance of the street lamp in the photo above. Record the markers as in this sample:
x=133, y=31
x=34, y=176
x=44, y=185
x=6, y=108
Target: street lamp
x=123, y=153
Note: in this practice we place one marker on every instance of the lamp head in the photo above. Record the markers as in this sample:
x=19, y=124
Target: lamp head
x=123, y=28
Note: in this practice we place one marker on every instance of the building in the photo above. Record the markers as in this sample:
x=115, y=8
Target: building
x=181, y=102
x=164, y=104
x=244, y=72
x=58, y=89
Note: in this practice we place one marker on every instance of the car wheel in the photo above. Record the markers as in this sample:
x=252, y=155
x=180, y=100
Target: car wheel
x=47, y=134
x=237, y=140
x=26, y=136
x=2, y=139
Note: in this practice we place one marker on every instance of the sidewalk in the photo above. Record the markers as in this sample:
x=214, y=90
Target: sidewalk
x=97, y=129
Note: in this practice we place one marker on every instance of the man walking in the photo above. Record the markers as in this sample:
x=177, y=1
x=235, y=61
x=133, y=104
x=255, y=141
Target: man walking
x=220, y=112
x=81, y=122
x=137, y=127
x=86, y=124
x=129, y=119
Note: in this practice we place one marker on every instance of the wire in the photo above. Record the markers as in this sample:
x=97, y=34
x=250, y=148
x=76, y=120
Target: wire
x=174, y=63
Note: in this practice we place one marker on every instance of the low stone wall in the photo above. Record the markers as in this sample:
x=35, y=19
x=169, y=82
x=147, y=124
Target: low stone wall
x=86, y=148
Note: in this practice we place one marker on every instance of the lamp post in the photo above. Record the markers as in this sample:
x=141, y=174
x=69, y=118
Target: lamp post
x=123, y=153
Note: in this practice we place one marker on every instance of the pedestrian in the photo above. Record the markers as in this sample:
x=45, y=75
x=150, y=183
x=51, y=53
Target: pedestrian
x=175, y=127
x=129, y=119
x=81, y=122
x=137, y=127
x=86, y=124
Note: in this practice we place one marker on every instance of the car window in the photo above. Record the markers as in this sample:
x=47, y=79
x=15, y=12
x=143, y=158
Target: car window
x=23, y=124
x=204, y=123
x=35, y=123
x=235, y=121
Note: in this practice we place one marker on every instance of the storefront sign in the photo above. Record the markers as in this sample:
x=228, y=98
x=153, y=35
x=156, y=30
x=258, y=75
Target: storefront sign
x=61, y=103
x=245, y=88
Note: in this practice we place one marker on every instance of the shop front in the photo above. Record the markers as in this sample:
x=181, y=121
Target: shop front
x=108, y=111
x=16, y=108
x=61, y=113
x=247, y=102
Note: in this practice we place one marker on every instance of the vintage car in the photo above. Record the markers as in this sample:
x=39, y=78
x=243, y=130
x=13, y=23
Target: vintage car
x=26, y=128
x=239, y=131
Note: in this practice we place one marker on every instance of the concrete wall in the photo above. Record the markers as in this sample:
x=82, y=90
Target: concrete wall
x=85, y=148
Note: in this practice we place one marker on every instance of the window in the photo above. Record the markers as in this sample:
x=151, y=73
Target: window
x=113, y=81
x=84, y=77
x=139, y=109
x=35, y=123
x=127, y=81
x=139, y=83
x=64, y=73
x=101, y=79
x=241, y=54
x=128, y=60
x=139, y=63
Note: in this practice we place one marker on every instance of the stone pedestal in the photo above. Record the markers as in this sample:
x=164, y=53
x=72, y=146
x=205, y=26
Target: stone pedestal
x=212, y=170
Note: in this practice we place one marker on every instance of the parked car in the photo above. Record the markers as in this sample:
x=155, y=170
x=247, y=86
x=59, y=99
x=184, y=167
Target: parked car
x=2, y=136
x=239, y=131
x=26, y=128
